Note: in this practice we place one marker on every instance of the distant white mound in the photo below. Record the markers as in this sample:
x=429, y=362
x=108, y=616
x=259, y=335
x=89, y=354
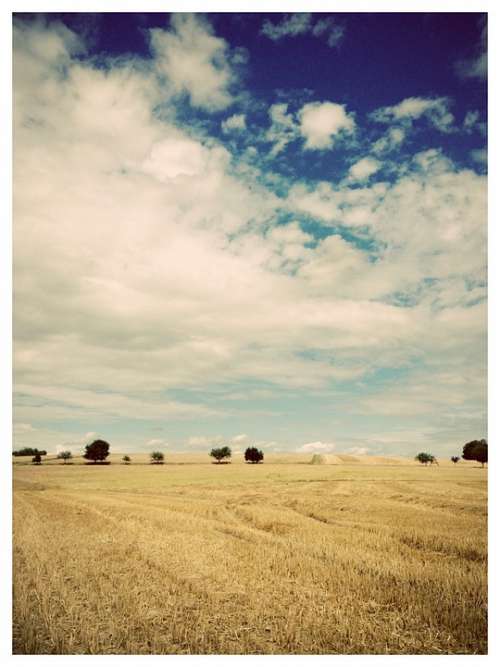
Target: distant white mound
x=363, y=459
x=322, y=459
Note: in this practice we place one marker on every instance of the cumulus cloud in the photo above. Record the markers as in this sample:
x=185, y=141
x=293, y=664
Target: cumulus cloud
x=363, y=169
x=194, y=61
x=235, y=123
x=435, y=110
x=301, y=24
x=322, y=122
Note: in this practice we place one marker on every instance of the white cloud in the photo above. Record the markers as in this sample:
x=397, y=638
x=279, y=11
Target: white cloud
x=283, y=127
x=391, y=140
x=322, y=202
x=175, y=157
x=470, y=120
x=363, y=169
x=357, y=451
x=157, y=442
x=235, y=123
x=241, y=439
x=194, y=61
x=322, y=122
x=291, y=26
x=328, y=27
x=311, y=447
x=203, y=441
x=412, y=108
x=301, y=24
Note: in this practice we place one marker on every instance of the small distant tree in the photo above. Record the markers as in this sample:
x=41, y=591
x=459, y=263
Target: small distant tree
x=37, y=459
x=96, y=451
x=424, y=458
x=220, y=453
x=65, y=456
x=253, y=455
x=455, y=459
x=157, y=457
x=126, y=459
x=476, y=450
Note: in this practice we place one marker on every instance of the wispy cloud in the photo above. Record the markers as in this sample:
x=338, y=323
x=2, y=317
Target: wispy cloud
x=435, y=110
x=302, y=24
x=477, y=66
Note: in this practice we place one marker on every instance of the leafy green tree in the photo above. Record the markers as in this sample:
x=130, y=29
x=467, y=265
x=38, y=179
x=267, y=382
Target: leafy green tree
x=157, y=457
x=96, y=451
x=37, y=459
x=455, y=459
x=476, y=450
x=29, y=451
x=220, y=453
x=425, y=458
x=65, y=456
x=126, y=459
x=254, y=455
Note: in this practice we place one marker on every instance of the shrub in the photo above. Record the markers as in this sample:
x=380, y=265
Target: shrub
x=425, y=458
x=126, y=459
x=96, y=451
x=37, y=459
x=220, y=453
x=455, y=459
x=253, y=455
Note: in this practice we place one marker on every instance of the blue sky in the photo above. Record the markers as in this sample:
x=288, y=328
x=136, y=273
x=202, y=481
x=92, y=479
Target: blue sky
x=252, y=229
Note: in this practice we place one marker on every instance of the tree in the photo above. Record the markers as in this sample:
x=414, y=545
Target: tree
x=253, y=455
x=157, y=457
x=220, y=453
x=425, y=458
x=96, y=451
x=29, y=451
x=126, y=459
x=476, y=450
x=455, y=459
x=65, y=456
x=37, y=459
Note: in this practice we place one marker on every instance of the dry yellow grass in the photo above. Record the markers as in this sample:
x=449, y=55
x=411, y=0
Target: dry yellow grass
x=284, y=557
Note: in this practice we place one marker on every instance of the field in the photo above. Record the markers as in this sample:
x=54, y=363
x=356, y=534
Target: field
x=365, y=556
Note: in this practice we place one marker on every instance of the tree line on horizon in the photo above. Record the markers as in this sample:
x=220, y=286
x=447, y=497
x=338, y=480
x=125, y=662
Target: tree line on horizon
x=97, y=451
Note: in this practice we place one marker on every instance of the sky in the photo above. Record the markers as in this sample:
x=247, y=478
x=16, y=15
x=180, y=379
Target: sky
x=250, y=229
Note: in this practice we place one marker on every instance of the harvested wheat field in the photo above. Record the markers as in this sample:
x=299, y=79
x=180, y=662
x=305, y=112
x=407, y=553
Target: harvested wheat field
x=285, y=557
